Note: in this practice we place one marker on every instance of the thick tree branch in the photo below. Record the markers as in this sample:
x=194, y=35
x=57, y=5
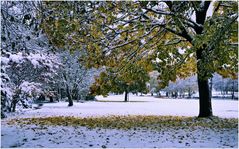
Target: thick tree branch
x=184, y=33
x=201, y=14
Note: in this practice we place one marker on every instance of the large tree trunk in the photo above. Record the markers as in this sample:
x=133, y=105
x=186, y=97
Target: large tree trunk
x=126, y=96
x=51, y=98
x=205, y=106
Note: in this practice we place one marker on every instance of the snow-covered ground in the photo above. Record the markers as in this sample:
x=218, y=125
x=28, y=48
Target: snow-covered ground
x=138, y=105
x=67, y=136
x=62, y=136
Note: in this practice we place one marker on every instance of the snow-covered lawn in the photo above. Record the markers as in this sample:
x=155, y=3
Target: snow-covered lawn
x=69, y=136
x=62, y=136
x=138, y=105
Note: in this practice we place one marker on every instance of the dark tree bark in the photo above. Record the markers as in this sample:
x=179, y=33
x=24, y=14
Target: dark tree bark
x=205, y=105
x=51, y=99
x=126, y=96
x=15, y=100
x=13, y=105
x=42, y=97
x=69, y=96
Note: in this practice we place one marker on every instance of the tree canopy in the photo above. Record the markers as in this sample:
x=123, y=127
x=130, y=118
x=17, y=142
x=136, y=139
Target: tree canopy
x=133, y=80
x=128, y=31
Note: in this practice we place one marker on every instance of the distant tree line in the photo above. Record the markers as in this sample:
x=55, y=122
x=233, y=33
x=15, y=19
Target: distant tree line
x=225, y=85
x=185, y=88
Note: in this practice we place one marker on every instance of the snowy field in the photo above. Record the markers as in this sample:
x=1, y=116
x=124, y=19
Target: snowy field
x=58, y=136
x=67, y=136
x=138, y=105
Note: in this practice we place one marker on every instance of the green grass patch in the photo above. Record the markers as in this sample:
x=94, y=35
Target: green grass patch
x=131, y=122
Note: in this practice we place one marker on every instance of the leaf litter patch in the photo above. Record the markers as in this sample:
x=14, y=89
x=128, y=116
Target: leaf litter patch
x=131, y=122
